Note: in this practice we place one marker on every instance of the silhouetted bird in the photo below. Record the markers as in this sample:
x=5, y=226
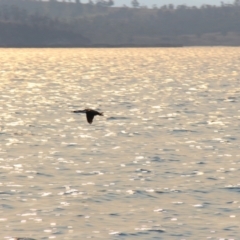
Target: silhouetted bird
x=89, y=113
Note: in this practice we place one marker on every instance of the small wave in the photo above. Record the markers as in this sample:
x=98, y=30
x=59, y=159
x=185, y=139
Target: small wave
x=16, y=238
x=5, y=206
x=233, y=187
x=182, y=131
x=44, y=174
x=116, y=118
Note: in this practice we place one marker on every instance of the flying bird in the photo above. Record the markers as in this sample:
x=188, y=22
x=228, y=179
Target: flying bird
x=90, y=113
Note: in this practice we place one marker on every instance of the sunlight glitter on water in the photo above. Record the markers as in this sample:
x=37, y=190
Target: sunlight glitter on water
x=162, y=163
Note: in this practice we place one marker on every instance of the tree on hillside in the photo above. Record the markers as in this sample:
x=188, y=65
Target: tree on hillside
x=237, y=2
x=105, y=3
x=170, y=6
x=90, y=2
x=110, y=3
x=135, y=3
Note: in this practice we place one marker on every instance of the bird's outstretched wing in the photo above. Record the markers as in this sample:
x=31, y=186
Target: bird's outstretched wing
x=90, y=117
x=77, y=111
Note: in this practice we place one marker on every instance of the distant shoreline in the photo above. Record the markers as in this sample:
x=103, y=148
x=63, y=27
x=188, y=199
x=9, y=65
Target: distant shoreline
x=116, y=45
x=164, y=45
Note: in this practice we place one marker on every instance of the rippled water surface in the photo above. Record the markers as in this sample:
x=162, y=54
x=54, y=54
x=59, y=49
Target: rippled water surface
x=163, y=162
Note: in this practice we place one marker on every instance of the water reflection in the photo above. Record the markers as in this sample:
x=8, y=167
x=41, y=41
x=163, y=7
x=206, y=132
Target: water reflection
x=162, y=162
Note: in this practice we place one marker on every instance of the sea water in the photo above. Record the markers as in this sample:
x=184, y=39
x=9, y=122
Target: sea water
x=163, y=162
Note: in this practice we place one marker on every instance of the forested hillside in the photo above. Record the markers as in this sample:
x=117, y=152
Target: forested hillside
x=52, y=23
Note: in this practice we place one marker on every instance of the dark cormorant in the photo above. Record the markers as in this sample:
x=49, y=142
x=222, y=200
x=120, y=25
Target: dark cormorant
x=89, y=113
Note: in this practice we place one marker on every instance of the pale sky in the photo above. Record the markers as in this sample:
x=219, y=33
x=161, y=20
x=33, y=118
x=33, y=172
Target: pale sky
x=175, y=2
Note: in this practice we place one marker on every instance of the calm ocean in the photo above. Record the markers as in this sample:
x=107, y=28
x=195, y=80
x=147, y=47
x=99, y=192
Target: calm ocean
x=163, y=162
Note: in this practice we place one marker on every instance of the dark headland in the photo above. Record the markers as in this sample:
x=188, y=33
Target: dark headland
x=92, y=46
x=99, y=24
